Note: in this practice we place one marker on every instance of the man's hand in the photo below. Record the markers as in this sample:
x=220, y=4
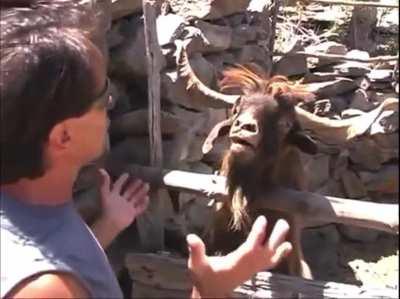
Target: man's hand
x=218, y=276
x=119, y=208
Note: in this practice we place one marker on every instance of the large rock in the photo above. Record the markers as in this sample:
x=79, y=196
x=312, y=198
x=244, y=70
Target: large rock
x=169, y=27
x=358, y=234
x=332, y=88
x=207, y=9
x=207, y=38
x=386, y=180
x=317, y=168
x=174, y=88
x=386, y=123
x=360, y=100
x=253, y=53
x=129, y=58
x=218, y=38
x=243, y=34
x=319, y=246
x=352, y=69
x=384, y=75
x=366, y=154
x=353, y=185
x=326, y=48
x=122, y=8
x=291, y=65
x=135, y=123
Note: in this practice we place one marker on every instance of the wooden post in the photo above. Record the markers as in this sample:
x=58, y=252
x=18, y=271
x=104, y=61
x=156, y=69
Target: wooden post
x=274, y=11
x=151, y=223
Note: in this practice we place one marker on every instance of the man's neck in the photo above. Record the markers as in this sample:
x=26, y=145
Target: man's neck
x=54, y=188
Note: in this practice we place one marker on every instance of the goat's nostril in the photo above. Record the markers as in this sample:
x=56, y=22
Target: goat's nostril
x=250, y=128
x=237, y=123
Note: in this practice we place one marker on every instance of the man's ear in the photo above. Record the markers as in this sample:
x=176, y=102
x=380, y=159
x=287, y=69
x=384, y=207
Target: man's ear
x=220, y=129
x=59, y=136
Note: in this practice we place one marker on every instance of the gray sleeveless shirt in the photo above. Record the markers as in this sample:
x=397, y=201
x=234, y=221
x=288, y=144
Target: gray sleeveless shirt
x=39, y=239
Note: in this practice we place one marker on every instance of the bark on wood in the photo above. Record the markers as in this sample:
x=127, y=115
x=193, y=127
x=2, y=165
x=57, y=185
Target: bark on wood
x=151, y=222
x=358, y=3
x=342, y=57
x=168, y=277
x=274, y=11
x=313, y=209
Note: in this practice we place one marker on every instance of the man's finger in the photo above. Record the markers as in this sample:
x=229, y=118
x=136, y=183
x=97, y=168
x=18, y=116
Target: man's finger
x=139, y=194
x=142, y=206
x=132, y=188
x=278, y=234
x=197, y=252
x=106, y=182
x=281, y=252
x=119, y=183
x=257, y=233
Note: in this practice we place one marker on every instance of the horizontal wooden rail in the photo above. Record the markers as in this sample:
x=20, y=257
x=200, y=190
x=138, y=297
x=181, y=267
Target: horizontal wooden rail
x=314, y=209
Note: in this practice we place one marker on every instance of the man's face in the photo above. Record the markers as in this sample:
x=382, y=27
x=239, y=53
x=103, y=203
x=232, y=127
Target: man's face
x=92, y=136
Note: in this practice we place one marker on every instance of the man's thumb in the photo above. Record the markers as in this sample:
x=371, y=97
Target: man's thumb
x=197, y=250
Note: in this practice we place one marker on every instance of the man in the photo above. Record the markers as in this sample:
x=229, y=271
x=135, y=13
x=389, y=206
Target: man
x=54, y=98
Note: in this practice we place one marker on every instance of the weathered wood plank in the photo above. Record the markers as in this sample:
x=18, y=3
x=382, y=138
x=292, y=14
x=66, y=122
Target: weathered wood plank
x=164, y=276
x=313, y=208
x=151, y=223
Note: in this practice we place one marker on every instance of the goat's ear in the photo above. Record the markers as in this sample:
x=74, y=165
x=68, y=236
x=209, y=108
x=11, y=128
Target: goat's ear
x=220, y=129
x=304, y=142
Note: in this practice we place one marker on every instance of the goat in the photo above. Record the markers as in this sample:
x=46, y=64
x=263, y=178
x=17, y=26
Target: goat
x=265, y=138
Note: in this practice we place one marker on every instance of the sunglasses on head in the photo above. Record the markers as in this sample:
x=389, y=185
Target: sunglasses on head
x=105, y=99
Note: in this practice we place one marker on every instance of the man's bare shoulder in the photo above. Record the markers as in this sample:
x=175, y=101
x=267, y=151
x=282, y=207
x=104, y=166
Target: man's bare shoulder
x=49, y=285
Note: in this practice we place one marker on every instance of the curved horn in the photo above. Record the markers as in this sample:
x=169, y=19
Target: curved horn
x=338, y=132
x=217, y=99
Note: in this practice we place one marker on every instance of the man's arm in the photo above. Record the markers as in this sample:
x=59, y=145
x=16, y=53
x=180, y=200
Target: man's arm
x=49, y=285
x=121, y=203
x=217, y=277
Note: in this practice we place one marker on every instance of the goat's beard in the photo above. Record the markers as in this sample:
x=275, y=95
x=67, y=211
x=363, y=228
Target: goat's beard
x=240, y=183
x=245, y=180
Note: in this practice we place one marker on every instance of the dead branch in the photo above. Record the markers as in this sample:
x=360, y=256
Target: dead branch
x=313, y=209
x=357, y=3
x=341, y=57
x=168, y=277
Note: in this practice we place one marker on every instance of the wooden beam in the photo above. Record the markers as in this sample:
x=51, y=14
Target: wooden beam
x=341, y=57
x=313, y=209
x=358, y=3
x=164, y=276
x=151, y=222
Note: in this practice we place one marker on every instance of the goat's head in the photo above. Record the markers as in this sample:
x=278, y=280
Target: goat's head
x=262, y=126
x=263, y=120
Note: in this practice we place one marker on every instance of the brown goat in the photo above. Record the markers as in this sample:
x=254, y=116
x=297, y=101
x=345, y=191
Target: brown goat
x=264, y=154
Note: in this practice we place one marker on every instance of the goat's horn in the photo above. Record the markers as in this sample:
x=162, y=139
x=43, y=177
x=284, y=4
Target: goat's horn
x=338, y=132
x=217, y=99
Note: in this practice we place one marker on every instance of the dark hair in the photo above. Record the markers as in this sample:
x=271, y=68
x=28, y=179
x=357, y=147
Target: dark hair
x=46, y=76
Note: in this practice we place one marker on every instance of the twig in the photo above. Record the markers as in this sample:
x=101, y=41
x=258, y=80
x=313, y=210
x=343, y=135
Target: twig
x=357, y=3
x=341, y=57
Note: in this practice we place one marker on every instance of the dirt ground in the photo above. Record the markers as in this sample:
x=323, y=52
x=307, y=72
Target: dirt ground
x=333, y=257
